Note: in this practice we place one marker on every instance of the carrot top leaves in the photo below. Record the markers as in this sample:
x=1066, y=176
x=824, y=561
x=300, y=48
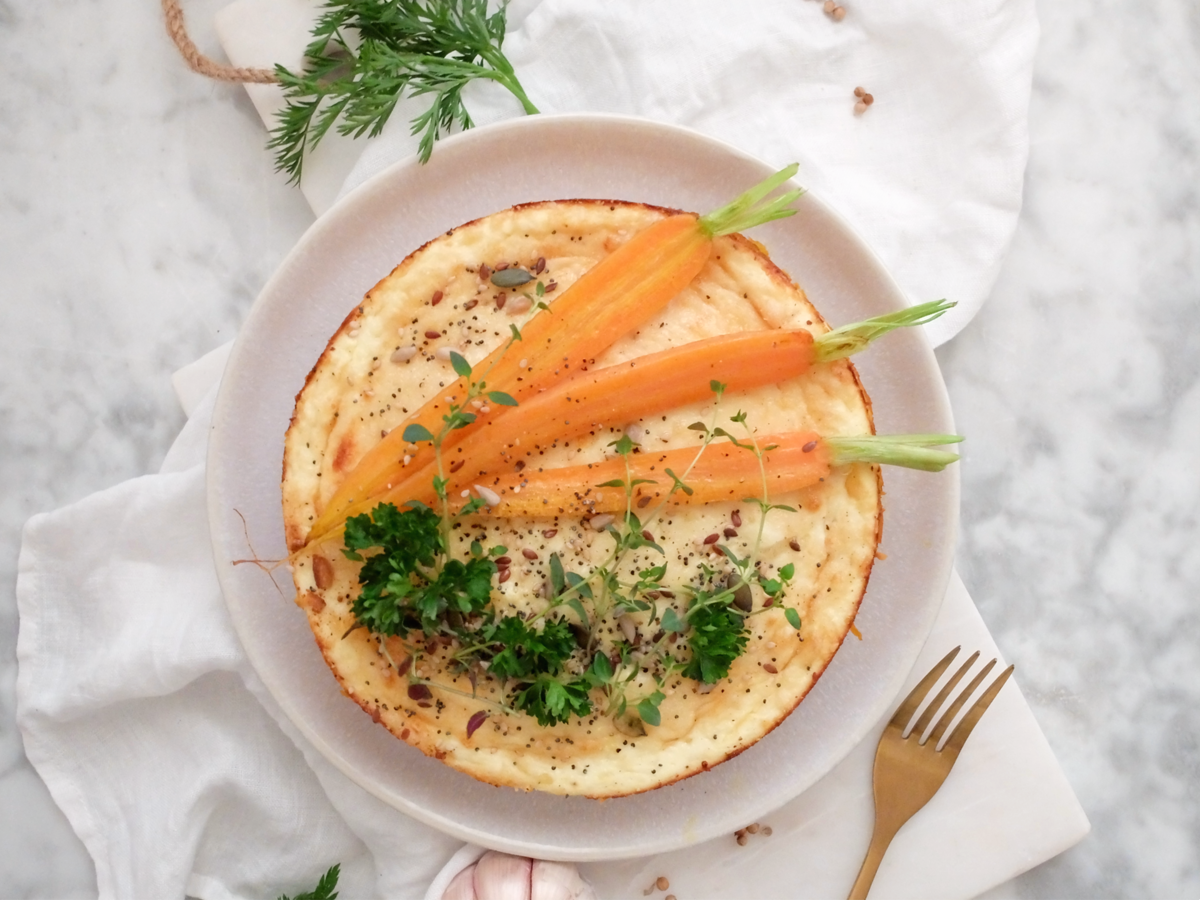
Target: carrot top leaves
x=850, y=339
x=912, y=451
x=752, y=208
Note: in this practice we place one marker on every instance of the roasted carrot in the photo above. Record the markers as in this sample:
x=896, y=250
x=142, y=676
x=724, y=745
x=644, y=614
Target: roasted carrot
x=615, y=296
x=611, y=397
x=617, y=395
x=723, y=471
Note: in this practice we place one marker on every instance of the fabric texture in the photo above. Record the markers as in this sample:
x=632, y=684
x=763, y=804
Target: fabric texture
x=140, y=712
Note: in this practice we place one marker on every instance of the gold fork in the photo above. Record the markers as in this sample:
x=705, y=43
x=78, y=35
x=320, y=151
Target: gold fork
x=908, y=770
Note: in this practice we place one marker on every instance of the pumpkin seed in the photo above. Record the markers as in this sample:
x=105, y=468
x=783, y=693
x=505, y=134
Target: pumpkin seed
x=510, y=278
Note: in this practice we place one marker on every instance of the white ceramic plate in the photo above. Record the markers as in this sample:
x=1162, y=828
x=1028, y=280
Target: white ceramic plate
x=357, y=243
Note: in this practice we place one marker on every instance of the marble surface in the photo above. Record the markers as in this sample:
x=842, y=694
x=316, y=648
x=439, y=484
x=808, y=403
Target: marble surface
x=139, y=216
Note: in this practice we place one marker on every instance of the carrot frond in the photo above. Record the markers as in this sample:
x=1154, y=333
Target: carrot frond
x=850, y=339
x=750, y=209
x=912, y=451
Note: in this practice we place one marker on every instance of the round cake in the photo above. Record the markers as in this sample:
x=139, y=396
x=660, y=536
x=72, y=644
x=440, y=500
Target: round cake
x=643, y=647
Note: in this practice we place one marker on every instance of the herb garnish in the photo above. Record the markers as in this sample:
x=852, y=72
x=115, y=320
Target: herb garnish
x=527, y=651
x=411, y=585
x=551, y=700
x=549, y=664
x=718, y=637
x=367, y=54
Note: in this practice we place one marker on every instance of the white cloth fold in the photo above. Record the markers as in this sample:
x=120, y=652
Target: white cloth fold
x=153, y=734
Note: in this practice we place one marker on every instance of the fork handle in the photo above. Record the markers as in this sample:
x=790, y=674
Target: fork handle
x=881, y=839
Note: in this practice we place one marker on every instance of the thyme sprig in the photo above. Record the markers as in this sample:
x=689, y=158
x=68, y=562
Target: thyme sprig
x=366, y=54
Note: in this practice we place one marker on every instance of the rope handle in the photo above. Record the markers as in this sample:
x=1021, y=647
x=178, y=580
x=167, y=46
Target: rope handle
x=198, y=62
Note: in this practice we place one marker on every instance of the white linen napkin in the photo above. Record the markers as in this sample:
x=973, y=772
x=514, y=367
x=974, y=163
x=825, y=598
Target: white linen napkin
x=930, y=175
x=140, y=712
x=180, y=774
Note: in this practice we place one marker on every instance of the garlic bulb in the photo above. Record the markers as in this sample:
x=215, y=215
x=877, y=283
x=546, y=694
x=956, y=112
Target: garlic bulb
x=498, y=876
x=462, y=885
x=558, y=881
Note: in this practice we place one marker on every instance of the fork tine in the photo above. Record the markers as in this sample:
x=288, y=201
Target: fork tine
x=936, y=704
x=960, y=734
x=917, y=694
x=944, y=722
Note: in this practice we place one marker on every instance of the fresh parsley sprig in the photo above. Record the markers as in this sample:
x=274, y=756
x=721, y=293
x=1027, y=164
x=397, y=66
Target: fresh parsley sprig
x=526, y=651
x=551, y=699
x=717, y=636
x=366, y=54
x=407, y=584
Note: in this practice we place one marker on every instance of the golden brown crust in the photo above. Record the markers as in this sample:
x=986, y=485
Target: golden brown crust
x=356, y=390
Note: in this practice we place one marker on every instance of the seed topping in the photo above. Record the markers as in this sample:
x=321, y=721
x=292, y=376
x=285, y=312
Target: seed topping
x=511, y=278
